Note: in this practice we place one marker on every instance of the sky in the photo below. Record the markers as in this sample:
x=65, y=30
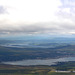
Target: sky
x=37, y=17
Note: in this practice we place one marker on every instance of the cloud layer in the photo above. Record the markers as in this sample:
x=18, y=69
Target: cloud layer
x=37, y=17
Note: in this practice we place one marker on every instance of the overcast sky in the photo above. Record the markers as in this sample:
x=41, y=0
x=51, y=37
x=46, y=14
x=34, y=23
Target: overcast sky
x=37, y=17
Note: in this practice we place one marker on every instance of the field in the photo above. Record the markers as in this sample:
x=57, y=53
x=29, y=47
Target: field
x=14, y=54
x=36, y=70
x=52, y=73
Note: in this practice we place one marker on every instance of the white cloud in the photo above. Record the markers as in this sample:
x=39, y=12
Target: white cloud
x=31, y=11
x=37, y=16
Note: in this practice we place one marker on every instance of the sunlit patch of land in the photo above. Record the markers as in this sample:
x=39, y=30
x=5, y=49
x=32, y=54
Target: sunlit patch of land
x=69, y=69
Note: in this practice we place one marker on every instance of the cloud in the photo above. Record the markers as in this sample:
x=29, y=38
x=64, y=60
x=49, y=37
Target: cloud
x=2, y=10
x=30, y=11
x=37, y=17
x=39, y=28
x=67, y=10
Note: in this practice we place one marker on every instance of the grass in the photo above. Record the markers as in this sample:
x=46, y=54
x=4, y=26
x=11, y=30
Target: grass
x=53, y=73
x=29, y=70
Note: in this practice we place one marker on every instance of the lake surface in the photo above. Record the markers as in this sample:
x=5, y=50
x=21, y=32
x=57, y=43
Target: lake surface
x=40, y=62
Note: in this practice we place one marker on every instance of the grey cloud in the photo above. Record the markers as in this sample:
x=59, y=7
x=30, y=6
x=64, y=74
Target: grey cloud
x=68, y=26
x=36, y=28
x=2, y=10
x=29, y=29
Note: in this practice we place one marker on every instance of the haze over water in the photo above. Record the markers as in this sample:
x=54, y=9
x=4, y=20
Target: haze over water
x=40, y=62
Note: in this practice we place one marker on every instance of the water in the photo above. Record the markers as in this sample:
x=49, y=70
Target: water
x=40, y=62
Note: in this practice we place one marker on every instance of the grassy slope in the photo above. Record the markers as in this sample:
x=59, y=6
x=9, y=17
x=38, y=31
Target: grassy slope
x=29, y=70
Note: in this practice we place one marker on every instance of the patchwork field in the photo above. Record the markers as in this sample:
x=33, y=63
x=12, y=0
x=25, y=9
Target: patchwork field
x=32, y=70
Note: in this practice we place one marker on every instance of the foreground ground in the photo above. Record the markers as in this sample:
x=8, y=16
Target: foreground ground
x=32, y=70
x=53, y=73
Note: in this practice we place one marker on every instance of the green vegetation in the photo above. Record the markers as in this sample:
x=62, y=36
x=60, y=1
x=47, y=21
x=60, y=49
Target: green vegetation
x=30, y=70
x=65, y=66
x=14, y=54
